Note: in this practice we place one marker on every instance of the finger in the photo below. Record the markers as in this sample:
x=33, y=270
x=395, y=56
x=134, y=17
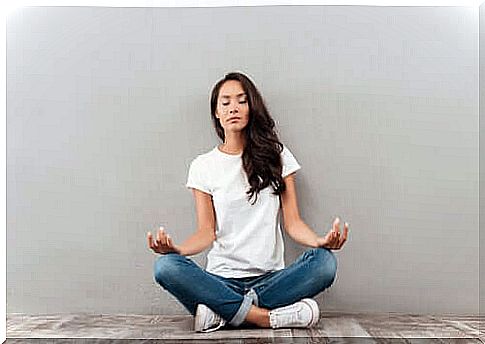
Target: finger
x=334, y=239
x=346, y=230
x=153, y=242
x=336, y=224
x=161, y=229
x=165, y=238
x=162, y=238
x=169, y=241
x=158, y=236
x=337, y=239
x=343, y=238
x=342, y=243
x=162, y=235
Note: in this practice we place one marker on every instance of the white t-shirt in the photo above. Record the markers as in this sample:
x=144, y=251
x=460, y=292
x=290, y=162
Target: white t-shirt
x=248, y=241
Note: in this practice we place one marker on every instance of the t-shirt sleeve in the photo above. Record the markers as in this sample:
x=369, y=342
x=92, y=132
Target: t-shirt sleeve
x=290, y=164
x=197, y=177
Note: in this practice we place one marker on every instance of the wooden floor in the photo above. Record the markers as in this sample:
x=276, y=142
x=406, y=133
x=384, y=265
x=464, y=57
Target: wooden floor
x=332, y=328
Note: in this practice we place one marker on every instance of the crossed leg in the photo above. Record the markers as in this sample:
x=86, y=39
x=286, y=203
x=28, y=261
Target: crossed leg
x=192, y=285
x=310, y=274
x=313, y=272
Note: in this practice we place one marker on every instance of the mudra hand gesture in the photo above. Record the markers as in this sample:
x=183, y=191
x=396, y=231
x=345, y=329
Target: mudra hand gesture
x=163, y=242
x=333, y=240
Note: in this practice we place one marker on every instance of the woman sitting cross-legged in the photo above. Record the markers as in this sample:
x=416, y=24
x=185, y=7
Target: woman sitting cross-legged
x=245, y=280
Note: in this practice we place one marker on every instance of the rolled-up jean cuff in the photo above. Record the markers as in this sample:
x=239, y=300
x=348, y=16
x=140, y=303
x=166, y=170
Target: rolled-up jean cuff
x=242, y=312
x=254, y=297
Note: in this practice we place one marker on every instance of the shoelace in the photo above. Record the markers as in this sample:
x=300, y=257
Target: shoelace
x=290, y=317
x=294, y=317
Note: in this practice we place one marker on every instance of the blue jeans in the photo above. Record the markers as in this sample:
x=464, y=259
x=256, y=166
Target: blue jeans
x=231, y=298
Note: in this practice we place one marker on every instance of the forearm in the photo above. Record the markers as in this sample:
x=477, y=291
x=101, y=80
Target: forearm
x=196, y=243
x=302, y=234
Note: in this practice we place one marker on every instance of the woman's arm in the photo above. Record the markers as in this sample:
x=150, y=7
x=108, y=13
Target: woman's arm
x=294, y=225
x=299, y=230
x=206, y=230
x=302, y=234
x=197, y=242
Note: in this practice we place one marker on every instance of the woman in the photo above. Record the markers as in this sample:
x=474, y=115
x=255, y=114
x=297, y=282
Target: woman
x=246, y=281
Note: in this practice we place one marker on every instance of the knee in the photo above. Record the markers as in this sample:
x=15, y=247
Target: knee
x=166, y=267
x=325, y=266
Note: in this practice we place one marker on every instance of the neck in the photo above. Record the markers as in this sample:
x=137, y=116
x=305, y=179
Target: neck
x=234, y=143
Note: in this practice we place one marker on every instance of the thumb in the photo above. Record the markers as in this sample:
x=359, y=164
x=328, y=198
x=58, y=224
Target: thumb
x=170, y=242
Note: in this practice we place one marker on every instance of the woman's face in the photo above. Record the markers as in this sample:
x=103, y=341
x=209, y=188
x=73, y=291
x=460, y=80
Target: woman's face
x=232, y=106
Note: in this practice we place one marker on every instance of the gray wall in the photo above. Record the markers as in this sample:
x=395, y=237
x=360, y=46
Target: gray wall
x=106, y=107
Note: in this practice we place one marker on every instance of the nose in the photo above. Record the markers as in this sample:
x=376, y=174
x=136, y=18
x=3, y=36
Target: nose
x=234, y=108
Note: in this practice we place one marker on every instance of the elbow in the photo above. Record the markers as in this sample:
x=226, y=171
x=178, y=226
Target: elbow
x=209, y=234
x=212, y=237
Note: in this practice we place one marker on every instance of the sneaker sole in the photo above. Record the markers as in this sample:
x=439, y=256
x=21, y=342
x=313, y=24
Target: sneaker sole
x=315, y=311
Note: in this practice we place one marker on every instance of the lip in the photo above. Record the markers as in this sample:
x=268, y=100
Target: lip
x=234, y=119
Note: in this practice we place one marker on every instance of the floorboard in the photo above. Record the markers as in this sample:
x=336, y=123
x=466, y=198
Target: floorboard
x=332, y=328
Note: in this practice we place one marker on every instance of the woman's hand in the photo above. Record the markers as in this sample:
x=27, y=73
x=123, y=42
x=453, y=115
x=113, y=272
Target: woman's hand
x=333, y=240
x=163, y=243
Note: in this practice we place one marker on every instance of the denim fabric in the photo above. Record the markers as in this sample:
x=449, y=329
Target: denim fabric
x=231, y=298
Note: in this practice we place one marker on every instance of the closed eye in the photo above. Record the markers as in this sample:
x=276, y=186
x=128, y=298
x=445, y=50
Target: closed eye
x=239, y=103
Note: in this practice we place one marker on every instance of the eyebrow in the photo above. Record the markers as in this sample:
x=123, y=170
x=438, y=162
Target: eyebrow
x=226, y=96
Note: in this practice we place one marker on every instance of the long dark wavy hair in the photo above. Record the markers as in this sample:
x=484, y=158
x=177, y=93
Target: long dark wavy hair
x=261, y=157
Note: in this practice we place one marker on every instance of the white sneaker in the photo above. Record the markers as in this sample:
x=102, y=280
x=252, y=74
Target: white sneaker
x=304, y=313
x=206, y=320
